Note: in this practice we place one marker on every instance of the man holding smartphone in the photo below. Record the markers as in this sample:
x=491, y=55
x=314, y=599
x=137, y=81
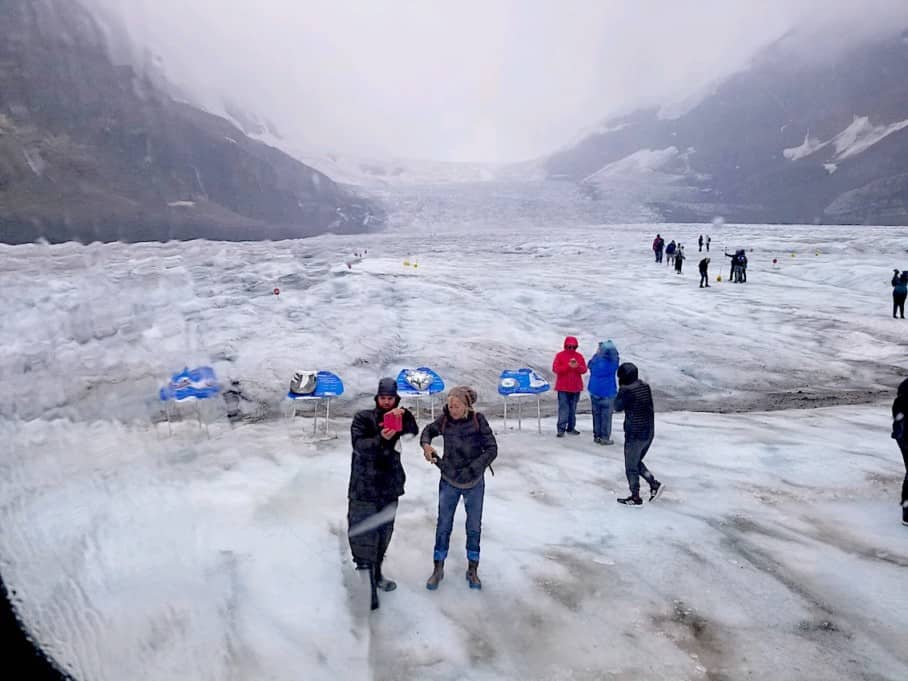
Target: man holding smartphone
x=376, y=481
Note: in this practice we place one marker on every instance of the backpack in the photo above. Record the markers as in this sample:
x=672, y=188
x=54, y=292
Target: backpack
x=303, y=382
x=444, y=422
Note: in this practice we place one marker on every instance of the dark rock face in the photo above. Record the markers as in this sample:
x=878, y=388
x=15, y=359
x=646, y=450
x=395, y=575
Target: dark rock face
x=90, y=150
x=730, y=153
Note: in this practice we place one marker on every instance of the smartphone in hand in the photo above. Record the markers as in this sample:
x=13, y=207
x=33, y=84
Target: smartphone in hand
x=393, y=421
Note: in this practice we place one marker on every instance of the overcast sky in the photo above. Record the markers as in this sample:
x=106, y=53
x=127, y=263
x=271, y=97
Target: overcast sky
x=468, y=80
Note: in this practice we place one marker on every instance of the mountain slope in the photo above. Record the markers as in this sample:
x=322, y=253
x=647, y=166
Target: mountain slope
x=90, y=150
x=788, y=140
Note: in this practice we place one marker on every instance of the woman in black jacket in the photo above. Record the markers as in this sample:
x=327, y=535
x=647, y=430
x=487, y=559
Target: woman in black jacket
x=469, y=448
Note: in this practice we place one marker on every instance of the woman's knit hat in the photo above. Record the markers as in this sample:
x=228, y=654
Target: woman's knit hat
x=465, y=394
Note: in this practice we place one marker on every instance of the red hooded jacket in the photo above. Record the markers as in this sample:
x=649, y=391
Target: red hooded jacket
x=569, y=378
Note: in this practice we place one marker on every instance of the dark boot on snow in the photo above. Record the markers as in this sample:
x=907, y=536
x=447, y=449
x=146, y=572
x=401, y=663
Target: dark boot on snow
x=382, y=582
x=472, y=577
x=438, y=574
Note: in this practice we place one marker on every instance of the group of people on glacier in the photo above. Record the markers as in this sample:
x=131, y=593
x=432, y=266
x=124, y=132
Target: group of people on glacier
x=674, y=254
x=469, y=448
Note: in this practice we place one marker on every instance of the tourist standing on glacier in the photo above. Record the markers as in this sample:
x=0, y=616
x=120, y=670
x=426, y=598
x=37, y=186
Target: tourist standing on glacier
x=635, y=399
x=376, y=481
x=704, y=273
x=899, y=292
x=469, y=448
x=569, y=367
x=603, y=388
x=899, y=434
x=658, y=246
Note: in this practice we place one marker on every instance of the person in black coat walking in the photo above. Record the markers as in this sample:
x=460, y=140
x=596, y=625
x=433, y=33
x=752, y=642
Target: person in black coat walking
x=469, y=448
x=376, y=481
x=679, y=259
x=900, y=435
x=635, y=399
x=899, y=293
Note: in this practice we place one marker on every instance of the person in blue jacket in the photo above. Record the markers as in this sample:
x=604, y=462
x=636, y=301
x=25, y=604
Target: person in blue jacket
x=603, y=388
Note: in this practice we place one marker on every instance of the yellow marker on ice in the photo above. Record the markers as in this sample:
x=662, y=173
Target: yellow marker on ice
x=719, y=277
x=406, y=263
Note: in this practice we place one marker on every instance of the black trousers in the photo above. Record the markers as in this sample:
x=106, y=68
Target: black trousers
x=369, y=546
x=704, y=279
x=898, y=305
x=634, y=468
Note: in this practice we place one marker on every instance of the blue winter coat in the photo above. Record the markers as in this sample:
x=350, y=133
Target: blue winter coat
x=603, y=366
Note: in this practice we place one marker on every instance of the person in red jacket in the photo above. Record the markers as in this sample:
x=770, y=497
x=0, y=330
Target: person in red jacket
x=569, y=366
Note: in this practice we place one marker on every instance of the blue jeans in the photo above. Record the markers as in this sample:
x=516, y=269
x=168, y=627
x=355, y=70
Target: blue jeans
x=567, y=410
x=602, y=416
x=448, y=496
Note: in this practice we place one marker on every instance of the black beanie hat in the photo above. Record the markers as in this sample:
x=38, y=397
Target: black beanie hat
x=387, y=387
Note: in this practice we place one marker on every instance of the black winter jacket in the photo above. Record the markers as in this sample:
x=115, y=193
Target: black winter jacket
x=376, y=473
x=900, y=414
x=636, y=401
x=469, y=447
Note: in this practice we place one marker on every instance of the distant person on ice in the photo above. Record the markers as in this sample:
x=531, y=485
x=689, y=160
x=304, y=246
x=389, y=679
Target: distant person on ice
x=670, y=252
x=704, y=273
x=742, y=266
x=679, y=259
x=700, y=242
x=635, y=399
x=469, y=448
x=376, y=481
x=738, y=271
x=603, y=388
x=569, y=367
x=708, y=239
x=899, y=292
x=900, y=435
x=658, y=246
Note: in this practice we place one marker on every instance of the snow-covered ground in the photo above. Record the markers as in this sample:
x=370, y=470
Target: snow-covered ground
x=775, y=553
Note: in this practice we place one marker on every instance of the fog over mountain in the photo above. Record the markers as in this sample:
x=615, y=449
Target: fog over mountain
x=468, y=81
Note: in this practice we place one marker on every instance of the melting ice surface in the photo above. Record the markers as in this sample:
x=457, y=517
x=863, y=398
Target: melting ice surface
x=776, y=551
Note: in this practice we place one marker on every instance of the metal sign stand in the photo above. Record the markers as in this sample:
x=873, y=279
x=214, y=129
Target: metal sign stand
x=292, y=412
x=418, y=405
x=520, y=410
x=170, y=405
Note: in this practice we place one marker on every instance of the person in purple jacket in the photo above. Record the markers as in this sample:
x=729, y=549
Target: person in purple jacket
x=603, y=387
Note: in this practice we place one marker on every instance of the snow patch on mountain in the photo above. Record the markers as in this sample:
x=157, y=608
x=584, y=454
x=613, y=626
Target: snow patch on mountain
x=642, y=161
x=809, y=146
x=857, y=138
x=861, y=135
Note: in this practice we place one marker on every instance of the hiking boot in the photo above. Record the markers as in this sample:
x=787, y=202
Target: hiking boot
x=438, y=574
x=597, y=440
x=655, y=491
x=560, y=433
x=472, y=577
x=606, y=441
x=381, y=582
x=574, y=432
x=631, y=501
